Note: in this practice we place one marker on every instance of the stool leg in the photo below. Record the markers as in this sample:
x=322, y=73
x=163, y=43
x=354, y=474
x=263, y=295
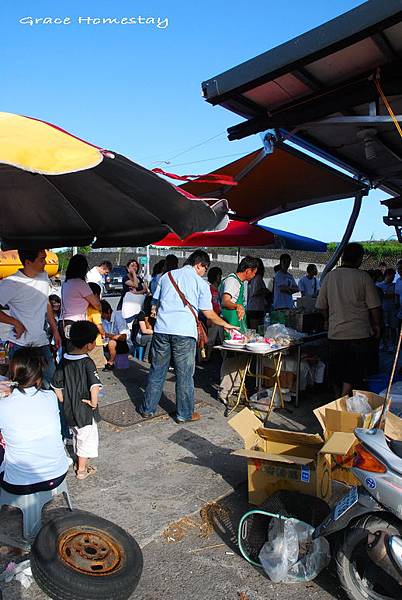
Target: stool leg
x=32, y=519
x=68, y=500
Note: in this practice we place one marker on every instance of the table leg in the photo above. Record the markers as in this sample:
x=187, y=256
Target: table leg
x=242, y=389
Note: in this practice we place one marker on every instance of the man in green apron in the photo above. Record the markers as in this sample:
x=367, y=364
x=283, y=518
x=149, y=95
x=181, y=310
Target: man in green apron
x=234, y=301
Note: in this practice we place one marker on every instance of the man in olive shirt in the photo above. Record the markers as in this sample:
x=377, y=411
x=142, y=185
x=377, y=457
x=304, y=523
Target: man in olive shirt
x=352, y=307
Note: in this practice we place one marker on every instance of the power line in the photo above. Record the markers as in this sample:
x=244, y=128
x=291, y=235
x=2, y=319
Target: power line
x=188, y=149
x=207, y=159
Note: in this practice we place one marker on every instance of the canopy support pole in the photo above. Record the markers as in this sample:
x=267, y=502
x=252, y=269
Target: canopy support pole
x=346, y=236
x=238, y=256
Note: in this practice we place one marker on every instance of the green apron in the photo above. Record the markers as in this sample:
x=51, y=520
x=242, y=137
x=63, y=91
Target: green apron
x=231, y=315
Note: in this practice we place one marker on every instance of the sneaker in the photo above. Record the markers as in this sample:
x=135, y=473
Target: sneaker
x=146, y=415
x=70, y=461
x=108, y=367
x=194, y=417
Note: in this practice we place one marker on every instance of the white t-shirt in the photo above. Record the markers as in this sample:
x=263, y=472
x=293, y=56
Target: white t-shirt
x=30, y=425
x=27, y=298
x=94, y=276
x=309, y=287
x=174, y=318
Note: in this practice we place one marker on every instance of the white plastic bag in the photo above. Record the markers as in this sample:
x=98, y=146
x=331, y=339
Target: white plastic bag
x=358, y=404
x=290, y=555
x=21, y=572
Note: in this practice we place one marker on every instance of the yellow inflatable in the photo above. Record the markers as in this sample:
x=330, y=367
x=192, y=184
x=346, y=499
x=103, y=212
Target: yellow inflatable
x=10, y=263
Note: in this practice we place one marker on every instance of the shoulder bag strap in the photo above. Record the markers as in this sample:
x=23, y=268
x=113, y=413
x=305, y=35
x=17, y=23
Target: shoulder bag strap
x=182, y=296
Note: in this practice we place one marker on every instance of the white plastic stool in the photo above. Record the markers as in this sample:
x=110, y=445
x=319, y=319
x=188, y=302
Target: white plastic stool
x=31, y=506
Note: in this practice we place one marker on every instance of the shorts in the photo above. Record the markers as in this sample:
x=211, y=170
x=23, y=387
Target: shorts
x=98, y=356
x=86, y=440
x=350, y=360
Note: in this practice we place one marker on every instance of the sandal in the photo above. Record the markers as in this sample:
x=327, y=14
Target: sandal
x=90, y=470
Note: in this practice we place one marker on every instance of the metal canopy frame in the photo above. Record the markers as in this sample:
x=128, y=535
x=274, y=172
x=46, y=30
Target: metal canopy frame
x=366, y=20
x=329, y=91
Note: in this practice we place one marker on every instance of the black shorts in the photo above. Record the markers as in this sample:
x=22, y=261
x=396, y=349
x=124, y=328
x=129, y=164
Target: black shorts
x=350, y=360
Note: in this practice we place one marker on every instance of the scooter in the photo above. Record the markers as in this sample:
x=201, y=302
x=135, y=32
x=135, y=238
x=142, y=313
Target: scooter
x=366, y=524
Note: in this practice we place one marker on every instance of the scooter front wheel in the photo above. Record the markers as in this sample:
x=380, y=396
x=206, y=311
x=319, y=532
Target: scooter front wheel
x=359, y=576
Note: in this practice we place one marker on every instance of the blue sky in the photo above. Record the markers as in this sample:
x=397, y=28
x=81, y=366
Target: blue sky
x=136, y=88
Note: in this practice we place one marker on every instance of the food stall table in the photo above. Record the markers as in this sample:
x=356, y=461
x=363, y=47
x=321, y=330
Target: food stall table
x=277, y=357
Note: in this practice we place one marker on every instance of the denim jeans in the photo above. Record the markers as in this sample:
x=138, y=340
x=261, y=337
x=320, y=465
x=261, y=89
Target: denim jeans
x=182, y=349
x=47, y=355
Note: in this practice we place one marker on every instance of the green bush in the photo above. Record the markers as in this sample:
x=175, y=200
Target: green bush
x=377, y=249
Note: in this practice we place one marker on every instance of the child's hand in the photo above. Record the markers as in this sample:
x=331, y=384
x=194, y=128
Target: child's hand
x=88, y=402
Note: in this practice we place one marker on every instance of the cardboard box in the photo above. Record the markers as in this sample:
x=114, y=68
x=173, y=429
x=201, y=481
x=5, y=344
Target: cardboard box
x=285, y=460
x=334, y=417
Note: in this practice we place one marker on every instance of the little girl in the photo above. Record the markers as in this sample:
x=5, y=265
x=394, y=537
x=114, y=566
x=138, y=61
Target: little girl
x=34, y=458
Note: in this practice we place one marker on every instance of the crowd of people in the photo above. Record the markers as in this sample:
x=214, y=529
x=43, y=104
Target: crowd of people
x=57, y=344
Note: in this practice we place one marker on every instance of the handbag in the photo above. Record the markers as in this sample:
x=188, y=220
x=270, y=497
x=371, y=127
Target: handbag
x=202, y=335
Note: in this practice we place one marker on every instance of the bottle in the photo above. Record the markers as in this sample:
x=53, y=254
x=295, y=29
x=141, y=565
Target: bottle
x=267, y=323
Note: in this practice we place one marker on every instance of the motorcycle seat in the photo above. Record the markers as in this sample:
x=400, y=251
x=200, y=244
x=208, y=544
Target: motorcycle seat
x=396, y=447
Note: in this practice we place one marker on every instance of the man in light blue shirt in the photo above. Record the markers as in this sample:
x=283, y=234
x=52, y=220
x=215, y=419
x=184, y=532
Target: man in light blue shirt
x=309, y=285
x=175, y=335
x=284, y=284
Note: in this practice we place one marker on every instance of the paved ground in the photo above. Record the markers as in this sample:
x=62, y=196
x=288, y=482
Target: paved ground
x=153, y=474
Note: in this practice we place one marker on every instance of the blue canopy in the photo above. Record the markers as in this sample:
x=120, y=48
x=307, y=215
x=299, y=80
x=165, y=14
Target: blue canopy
x=292, y=241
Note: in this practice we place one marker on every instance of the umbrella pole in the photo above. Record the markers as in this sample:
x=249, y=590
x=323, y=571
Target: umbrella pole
x=238, y=256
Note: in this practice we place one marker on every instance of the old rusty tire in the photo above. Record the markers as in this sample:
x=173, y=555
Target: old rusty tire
x=83, y=557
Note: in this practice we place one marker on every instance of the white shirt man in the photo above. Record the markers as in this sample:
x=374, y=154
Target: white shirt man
x=27, y=295
x=97, y=274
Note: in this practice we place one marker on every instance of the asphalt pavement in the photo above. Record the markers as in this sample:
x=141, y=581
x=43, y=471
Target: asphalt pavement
x=178, y=490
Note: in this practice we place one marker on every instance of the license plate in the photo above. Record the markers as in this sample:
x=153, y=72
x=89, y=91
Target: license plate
x=345, y=503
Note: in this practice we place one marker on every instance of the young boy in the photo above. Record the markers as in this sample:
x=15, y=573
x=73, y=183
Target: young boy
x=77, y=384
x=94, y=316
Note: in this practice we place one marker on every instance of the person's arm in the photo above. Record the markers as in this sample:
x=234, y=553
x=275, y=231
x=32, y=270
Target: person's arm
x=216, y=320
x=93, y=301
x=59, y=394
x=322, y=303
x=228, y=303
x=290, y=289
x=144, y=329
x=19, y=327
x=375, y=320
x=95, y=395
x=53, y=326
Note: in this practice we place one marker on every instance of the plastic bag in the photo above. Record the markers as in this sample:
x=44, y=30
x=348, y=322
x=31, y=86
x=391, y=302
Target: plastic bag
x=358, y=404
x=21, y=572
x=290, y=555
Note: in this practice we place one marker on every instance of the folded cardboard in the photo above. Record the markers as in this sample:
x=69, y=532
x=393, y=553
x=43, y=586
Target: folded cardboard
x=284, y=460
x=335, y=417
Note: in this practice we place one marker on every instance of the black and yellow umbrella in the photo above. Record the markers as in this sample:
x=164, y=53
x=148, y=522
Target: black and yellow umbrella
x=58, y=190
